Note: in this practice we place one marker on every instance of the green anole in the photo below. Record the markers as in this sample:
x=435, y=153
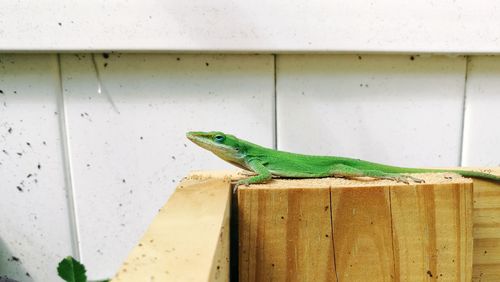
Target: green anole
x=267, y=163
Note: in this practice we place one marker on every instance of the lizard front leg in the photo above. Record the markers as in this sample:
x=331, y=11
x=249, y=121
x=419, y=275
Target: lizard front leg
x=263, y=174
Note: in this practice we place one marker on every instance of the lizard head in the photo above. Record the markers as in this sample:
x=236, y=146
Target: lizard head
x=226, y=146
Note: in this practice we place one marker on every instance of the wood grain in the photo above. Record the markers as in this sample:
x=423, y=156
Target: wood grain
x=382, y=231
x=285, y=235
x=189, y=238
x=362, y=233
x=432, y=231
x=486, y=230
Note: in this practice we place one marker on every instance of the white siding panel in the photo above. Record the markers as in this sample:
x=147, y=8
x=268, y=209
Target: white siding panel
x=482, y=114
x=34, y=220
x=261, y=25
x=127, y=161
x=401, y=110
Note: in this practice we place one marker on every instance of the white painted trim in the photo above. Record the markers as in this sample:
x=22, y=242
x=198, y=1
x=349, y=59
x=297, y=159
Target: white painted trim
x=356, y=26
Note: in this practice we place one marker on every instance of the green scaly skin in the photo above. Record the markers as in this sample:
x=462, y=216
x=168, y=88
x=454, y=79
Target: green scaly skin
x=267, y=163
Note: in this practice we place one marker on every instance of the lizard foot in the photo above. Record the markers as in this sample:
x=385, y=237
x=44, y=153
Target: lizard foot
x=406, y=179
x=246, y=173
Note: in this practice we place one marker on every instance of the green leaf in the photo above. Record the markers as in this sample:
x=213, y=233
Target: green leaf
x=71, y=270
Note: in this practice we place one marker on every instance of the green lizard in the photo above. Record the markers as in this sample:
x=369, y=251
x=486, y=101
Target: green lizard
x=267, y=163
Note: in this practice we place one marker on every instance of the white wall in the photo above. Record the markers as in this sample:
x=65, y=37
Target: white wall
x=460, y=26
x=108, y=161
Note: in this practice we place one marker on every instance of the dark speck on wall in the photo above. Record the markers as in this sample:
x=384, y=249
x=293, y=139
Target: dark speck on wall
x=412, y=58
x=9, y=130
x=19, y=188
x=124, y=181
x=29, y=144
x=141, y=138
x=19, y=154
x=173, y=157
x=207, y=64
x=359, y=57
x=13, y=258
x=60, y=24
x=429, y=273
x=105, y=64
x=105, y=55
x=178, y=59
x=39, y=166
x=1, y=91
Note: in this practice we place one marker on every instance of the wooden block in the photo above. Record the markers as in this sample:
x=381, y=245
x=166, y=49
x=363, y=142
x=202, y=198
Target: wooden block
x=433, y=231
x=285, y=235
x=188, y=240
x=486, y=218
x=382, y=231
x=362, y=233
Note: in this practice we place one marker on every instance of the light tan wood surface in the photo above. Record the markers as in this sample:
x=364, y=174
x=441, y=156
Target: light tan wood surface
x=382, y=231
x=188, y=240
x=486, y=231
x=285, y=235
x=433, y=231
x=321, y=229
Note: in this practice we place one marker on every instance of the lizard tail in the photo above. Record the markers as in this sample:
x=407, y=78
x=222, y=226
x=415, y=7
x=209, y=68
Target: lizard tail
x=476, y=174
x=465, y=173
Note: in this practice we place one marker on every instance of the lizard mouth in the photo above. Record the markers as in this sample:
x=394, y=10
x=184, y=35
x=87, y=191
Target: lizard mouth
x=201, y=140
x=205, y=141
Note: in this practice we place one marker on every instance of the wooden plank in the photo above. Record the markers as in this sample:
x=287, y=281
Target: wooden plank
x=362, y=233
x=189, y=238
x=277, y=227
x=285, y=234
x=486, y=219
x=486, y=273
x=433, y=229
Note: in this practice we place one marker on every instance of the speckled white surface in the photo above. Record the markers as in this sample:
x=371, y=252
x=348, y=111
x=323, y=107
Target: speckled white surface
x=126, y=162
x=400, y=110
x=260, y=25
x=34, y=218
x=482, y=113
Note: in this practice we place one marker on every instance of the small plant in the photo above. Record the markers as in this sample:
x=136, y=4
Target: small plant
x=71, y=270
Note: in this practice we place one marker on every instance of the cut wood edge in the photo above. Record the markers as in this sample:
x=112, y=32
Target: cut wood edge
x=189, y=238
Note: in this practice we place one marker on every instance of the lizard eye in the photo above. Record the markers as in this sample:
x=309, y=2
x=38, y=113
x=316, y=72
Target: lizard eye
x=219, y=138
